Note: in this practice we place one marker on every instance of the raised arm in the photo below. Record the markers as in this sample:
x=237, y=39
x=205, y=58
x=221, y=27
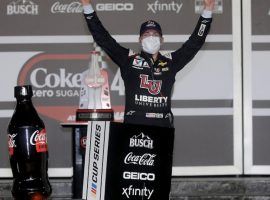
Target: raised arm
x=102, y=37
x=190, y=48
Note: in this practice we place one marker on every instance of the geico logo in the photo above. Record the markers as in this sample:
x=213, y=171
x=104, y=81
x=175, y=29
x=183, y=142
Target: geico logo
x=114, y=7
x=40, y=78
x=139, y=176
x=22, y=9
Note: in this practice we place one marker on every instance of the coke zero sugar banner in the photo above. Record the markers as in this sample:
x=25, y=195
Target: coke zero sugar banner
x=128, y=162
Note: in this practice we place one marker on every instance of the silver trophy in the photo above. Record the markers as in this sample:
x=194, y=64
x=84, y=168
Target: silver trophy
x=95, y=101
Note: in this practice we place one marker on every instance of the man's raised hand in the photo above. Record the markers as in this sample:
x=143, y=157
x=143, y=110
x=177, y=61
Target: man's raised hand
x=209, y=4
x=85, y=2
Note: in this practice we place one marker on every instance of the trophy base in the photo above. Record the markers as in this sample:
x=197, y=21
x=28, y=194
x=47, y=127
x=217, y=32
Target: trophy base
x=94, y=115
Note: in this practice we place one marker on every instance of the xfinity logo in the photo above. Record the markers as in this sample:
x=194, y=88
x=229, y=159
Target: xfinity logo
x=160, y=7
x=135, y=192
x=139, y=176
x=141, y=141
x=114, y=6
x=22, y=7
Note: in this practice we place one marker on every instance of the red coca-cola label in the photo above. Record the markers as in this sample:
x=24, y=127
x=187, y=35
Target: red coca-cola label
x=11, y=143
x=39, y=139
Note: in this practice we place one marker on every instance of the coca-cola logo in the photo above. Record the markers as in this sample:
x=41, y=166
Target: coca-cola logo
x=146, y=159
x=73, y=7
x=11, y=140
x=38, y=137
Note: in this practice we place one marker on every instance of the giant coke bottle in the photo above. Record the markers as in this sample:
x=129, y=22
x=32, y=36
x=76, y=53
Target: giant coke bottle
x=28, y=149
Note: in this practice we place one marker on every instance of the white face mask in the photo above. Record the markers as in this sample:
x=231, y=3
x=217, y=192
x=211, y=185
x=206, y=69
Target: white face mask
x=151, y=44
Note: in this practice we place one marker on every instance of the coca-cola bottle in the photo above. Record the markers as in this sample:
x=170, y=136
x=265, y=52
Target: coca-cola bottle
x=28, y=149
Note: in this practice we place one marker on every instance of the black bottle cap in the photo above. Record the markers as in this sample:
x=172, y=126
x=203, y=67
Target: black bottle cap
x=23, y=91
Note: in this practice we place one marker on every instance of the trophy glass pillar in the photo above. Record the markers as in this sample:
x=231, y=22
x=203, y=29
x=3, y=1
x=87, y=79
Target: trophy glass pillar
x=95, y=103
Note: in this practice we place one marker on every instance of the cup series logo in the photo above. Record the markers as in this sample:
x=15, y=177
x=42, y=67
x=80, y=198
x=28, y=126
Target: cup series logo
x=95, y=166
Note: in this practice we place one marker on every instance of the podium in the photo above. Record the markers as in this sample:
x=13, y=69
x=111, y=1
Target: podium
x=127, y=162
x=79, y=132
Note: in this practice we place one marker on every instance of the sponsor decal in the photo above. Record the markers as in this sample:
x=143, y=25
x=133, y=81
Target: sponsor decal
x=153, y=86
x=143, y=193
x=114, y=6
x=143, y=100
x=157, y=71
x=139, y=176
x=39, y=139
x=269, y=12
x=11, y=143
x=146, y=159
x=154, y=115
x=201, y=30
x=165, y=69
x=158, y=6
x=22, y=7
x=131, y=112
x=141, y=140
x=199, y=6
x=140, y=63
x=73, y=7
x=162, y=64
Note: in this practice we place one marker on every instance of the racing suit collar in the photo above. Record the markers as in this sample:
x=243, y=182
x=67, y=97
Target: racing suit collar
x=149, y=57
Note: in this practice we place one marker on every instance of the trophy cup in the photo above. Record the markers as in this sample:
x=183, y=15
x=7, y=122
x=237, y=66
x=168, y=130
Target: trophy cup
x=95, y=103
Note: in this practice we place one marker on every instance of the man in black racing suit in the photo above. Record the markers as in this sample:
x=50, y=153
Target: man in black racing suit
x=149, y=76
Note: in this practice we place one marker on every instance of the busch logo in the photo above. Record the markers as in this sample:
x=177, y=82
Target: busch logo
x=73, y=7
x=146, y=159
x=40, y=78
x=153, y=86
x=22, y=7
x=141, y=141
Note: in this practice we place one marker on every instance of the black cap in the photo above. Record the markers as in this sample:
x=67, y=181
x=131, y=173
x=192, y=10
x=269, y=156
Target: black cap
x=23, y=91
x=150, y=24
